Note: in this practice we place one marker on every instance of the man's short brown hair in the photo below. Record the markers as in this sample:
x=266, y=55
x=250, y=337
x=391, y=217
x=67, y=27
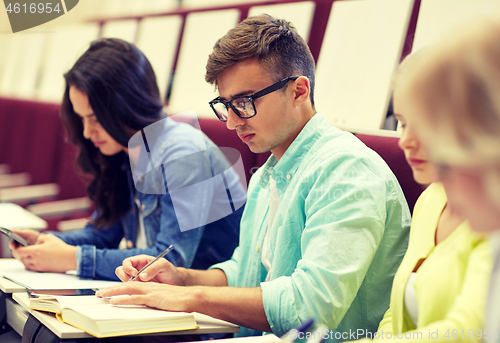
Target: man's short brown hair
x=274, y=42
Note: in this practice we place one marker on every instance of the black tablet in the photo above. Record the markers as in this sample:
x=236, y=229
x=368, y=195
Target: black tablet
x=36, y=293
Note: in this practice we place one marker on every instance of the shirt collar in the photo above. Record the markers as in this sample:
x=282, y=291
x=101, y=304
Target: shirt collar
x=284, y=169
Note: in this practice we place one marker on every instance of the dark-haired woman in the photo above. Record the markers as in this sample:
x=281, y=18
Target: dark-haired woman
x=111, y=95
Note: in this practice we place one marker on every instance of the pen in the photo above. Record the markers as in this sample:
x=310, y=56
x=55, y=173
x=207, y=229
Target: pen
x=166, y=251
x=291, y=335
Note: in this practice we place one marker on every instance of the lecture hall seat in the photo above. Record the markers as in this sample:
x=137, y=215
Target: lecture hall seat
x=388, y=149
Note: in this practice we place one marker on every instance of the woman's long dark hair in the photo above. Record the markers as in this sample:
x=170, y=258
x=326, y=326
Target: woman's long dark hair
x=122, y=90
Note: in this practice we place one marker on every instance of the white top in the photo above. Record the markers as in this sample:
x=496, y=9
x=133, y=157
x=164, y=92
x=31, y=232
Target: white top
x=411, y=304
x=274, y=202
x=492, y=318
x=140, y=242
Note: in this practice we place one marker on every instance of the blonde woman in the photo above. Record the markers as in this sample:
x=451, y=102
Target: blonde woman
x=439, y=290
x=454, y=96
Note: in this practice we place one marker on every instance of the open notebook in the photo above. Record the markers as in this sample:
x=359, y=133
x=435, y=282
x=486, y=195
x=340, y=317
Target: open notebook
x=101, y=319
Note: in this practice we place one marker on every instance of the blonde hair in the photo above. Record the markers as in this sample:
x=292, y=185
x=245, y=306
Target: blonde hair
x=410, y=62
x=455, y=89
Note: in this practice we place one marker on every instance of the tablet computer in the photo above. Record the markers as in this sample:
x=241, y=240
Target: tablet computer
x=36, y=293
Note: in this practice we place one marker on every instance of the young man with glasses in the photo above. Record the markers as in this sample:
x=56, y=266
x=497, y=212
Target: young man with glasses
x=325, y=225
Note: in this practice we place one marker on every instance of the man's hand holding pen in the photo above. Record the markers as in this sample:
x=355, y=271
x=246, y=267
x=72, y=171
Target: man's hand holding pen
x=161, y=271
x=156, y=276
x=161, y=255
x=167, y=287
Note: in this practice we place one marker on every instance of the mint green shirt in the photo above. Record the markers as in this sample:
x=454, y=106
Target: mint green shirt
x=338, y=236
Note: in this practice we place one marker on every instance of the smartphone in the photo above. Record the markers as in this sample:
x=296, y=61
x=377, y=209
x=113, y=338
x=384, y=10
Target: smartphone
x=36, y=293
x=18, y=240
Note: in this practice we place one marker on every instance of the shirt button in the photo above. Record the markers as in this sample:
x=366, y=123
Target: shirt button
x=130, y=244
x=257, y=248
x=123, y=244
x=142, y=207
x=289, y=176
x=139, y=179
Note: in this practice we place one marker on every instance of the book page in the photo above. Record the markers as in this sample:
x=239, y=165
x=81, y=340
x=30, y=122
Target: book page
x=107, y=320
x=106, y=311
x=65, y=301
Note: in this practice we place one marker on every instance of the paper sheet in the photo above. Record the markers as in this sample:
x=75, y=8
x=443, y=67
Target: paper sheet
x=14, y=270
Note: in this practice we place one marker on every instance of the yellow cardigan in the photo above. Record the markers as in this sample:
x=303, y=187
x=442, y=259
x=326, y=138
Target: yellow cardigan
x=451, y=284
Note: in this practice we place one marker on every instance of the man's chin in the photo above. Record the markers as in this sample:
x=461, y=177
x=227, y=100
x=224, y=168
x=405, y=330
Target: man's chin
x=256, y=149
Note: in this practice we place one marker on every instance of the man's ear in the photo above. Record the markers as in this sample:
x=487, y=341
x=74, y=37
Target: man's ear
x=301, y=90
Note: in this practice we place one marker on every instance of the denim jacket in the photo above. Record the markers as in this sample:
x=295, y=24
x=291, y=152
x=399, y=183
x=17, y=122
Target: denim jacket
x=97, y=250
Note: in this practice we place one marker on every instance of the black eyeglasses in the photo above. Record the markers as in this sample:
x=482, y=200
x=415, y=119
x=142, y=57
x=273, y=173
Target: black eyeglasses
x=244, y=106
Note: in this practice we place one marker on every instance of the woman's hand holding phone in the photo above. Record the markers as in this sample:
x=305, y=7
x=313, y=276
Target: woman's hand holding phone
x=47, y=253
x=16, y=239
